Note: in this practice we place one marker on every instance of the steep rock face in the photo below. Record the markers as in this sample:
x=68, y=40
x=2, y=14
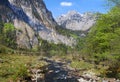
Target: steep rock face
x=75, y=21
x=33, y=11
x=32, y=20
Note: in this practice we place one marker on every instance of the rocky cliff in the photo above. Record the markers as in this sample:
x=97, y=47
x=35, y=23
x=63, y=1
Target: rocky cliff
x=32, y=20
x=75, y=21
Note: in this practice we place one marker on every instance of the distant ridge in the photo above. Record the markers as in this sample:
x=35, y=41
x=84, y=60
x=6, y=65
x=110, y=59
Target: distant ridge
x=75, y=21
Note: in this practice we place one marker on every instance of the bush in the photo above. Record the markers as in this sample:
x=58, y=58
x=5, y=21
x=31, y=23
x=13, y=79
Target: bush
x=21, y=72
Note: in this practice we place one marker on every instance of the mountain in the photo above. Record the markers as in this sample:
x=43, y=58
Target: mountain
x=32, y=20
x=75, y=21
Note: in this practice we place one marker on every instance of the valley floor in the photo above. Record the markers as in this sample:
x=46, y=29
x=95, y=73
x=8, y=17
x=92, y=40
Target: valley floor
x=24, y=68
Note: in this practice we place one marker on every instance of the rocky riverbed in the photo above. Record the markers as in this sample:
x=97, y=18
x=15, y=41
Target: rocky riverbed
x=60, y=71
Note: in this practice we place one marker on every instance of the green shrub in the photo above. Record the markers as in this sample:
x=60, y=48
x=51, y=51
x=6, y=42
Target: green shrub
x=21, y=72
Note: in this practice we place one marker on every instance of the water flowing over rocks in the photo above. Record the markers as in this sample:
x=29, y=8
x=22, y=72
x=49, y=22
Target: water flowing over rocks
x=59, y=71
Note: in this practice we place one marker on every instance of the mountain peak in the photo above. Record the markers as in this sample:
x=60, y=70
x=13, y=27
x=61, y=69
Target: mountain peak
x=73, y=12
x=75, y=21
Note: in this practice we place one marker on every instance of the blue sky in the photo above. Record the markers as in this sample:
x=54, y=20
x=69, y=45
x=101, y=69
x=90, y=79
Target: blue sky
x=58, y=7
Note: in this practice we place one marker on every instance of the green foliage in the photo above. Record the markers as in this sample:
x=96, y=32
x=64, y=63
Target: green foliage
x=8, y=35
x=15, y=67
x=74, y=34
x=21, y=72
x=52, y=48
x=104, y=32
x=114, y=68
x=8, y=27
x=4, y=49
x=67, y=32
x=103, y=41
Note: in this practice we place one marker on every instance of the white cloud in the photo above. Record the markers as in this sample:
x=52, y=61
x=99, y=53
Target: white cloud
x=66, y=4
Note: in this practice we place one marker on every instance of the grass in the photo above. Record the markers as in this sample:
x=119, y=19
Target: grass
x=81, y=65
x=14, y=67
